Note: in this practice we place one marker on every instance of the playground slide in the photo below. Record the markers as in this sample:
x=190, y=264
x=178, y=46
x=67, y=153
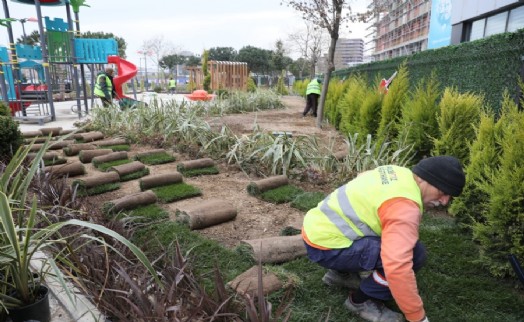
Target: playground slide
x=126, y=71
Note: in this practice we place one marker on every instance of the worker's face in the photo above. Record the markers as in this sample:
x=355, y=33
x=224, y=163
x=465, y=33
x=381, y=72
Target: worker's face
x=432, y=196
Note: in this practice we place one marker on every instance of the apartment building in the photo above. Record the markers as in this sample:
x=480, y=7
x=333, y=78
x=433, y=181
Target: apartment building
x=349, y=52
x=404, y=27
x=400, y=27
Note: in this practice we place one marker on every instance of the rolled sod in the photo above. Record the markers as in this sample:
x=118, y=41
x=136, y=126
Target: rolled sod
x=74, y=149
x=97, y=180
x=206, y=213
x=195, y=164
x=130, y=201
x=257, y=187
x=247, y=282
x=47, y=156
x=36, y=147
x=159, y=180
x=277, y=249
x=90, y=136
x=113, y=156
x=60, y=144
x=54, y=131
x=108, y=142
x=69, y=169
x=86, y=156
x=128, y=168
x=40, y=139
x=31, y=134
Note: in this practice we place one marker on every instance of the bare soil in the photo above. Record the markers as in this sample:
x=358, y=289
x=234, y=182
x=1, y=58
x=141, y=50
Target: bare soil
x=255, y=218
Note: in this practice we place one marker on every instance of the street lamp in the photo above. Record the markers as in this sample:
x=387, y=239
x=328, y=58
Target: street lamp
x=145, y=53
x=23, y=21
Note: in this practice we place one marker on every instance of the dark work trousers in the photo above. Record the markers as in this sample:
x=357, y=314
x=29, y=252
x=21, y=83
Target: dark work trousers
x=311, y=104
x=363, y=255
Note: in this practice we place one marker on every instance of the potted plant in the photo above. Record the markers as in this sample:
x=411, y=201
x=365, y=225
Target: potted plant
x=22, y=237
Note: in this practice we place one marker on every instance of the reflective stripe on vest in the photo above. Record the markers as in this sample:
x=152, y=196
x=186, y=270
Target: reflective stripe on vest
x=349, y=212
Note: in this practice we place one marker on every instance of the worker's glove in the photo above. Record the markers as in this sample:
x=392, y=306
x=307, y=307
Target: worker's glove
x=425, y=319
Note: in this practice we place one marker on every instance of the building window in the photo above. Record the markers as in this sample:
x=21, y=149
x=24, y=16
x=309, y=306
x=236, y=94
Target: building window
x=496, y=24
x=477, y=29
x=516, y=19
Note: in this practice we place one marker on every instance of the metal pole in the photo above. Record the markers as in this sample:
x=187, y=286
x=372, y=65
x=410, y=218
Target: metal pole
x=73, y=53
x=14, y=59
x=22, y=21
x=45, y=59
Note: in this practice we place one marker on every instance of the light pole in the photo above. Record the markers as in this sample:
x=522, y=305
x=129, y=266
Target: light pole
x=23, y=21
x=145, y=53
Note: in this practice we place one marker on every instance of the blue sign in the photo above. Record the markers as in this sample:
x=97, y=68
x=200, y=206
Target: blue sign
x=440, y=24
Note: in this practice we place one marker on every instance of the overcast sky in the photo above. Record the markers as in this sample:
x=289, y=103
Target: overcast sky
x=192, y=25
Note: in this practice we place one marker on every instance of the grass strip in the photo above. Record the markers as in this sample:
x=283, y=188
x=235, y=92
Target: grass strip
x=156, y=158
x=116, y=148
x=103, y=188
x=281, y=194
x=57, y=161
x=143, y=214
x=175, y=192
x=107, y=165
x=200, y=171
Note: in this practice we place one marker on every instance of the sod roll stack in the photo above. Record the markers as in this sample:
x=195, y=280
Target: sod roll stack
x=206, y=213
x=131, y=201
x=74, y=149
x=54, y=131
x=109, y=142
x=90, y=136
x=276, y=249
x=257, y=187
x=160, y=180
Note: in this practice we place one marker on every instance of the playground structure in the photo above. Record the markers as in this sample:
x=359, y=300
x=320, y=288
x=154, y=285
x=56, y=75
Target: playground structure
x=224, y=75
x=53, y=66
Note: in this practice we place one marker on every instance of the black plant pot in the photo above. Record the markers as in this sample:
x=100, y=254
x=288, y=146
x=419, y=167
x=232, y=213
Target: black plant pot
x=35, y=312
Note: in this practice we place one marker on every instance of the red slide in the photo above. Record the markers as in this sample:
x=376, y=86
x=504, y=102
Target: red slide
x=126, y=71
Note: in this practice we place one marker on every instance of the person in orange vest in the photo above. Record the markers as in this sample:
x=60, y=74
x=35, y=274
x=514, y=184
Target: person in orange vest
x=366, y=233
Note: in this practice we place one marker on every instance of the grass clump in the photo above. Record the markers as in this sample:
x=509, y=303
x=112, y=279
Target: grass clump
x=281, y=194
x=307, y=200
x=118, y=147
x=175, y=192
x=156, y=158
x=104, y=167
x=135, y=175
x=199, y=172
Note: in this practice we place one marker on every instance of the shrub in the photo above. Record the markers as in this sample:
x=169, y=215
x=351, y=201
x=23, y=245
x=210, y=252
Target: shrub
x=336, y=90
x=251, y=86
x=459, y=115
x=419, y=116
x=369, y=119
x=4, y=109
x=10, y=137
x=350, y=104
x=281, y=86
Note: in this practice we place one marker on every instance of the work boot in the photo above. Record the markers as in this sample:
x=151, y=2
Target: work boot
x=373, y=311
x=335, y=278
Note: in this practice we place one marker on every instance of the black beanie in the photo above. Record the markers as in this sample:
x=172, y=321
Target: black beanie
x=443, y=172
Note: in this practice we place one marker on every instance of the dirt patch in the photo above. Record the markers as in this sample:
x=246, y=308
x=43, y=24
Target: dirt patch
x=255, y=218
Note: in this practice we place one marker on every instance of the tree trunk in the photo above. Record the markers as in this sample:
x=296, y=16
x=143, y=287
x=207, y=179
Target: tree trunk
x=325, y=82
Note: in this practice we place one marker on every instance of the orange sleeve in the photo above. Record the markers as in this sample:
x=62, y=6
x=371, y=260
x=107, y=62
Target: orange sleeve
x=400, y=220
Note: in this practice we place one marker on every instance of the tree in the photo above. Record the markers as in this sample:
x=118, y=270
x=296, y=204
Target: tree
x=326, y=15
x=193, y=61
x=122, y=45
x=32, y=39
x=158, y=48
x=223, y=54
x=309, y=43
x=257, y=59
x=171, y=62
x=278, y=58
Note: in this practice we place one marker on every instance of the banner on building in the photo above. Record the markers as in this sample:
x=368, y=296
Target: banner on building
x=440, y=24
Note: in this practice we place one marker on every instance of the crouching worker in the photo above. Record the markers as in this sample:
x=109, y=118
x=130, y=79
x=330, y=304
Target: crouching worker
x=104, y=86
x=371, y=225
